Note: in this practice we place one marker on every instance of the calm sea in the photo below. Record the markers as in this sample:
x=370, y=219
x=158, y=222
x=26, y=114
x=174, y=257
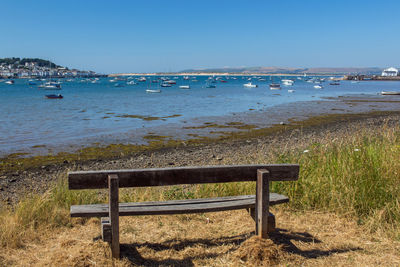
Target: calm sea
x=90, y=110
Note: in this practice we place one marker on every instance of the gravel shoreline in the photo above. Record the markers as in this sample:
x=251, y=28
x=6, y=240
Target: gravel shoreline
x=14, y=186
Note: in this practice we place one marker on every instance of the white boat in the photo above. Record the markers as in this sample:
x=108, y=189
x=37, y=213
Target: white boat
x=275, y=86
x=250, y=85
x=317, y=86
x=184, y=86
x=131, y=83
x=291, y=91
x=9, y=82
x=287, y=82
x=390, y=93
x=153, y=91
x=51, y=86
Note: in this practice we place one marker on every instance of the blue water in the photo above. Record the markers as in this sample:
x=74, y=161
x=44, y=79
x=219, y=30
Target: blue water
x=88, y=109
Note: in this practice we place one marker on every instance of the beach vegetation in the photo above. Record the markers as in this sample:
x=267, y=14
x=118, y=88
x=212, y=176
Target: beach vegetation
x=355, y=176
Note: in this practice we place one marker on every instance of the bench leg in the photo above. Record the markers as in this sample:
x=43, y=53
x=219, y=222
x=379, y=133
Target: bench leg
x=106, y=229
x=271, y=220
x=113, y=186
x=262, y=203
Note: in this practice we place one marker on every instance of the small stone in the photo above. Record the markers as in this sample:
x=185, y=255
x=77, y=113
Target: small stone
x=219, y=158
x=171, y=163
x=12, y=180
x=65, y=161
x=282, y=123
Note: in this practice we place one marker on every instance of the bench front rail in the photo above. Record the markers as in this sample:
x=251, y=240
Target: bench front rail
x=258, y=204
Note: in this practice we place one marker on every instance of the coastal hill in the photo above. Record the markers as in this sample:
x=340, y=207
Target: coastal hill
x=275, y=70
x=15, y=67
x=16, y=61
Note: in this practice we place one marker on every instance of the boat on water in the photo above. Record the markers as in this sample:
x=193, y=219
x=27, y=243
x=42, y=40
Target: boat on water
x=153, y=91
x=165, y=84
x=250, y=85
x=59, y=96
x=317, y=86
x=287, y=82
x=131, y=83
x=291, y=91
x=390, y=93
x=275, y=86
x=334, y=83
x=170, y=82
x=50, y=86
x=184, y=86
x=9, y=82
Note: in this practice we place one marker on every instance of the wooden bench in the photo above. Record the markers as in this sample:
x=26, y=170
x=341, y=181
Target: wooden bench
x=257, y=205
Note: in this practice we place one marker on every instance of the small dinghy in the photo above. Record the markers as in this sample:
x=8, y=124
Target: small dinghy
x=54, y=96
x=390, y=93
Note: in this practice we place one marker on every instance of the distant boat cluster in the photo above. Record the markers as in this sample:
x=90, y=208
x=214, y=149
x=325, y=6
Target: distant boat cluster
x=155, y=84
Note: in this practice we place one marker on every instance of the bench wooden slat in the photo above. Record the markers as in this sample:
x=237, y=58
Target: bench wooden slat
x=175, y=206
x=181, y=175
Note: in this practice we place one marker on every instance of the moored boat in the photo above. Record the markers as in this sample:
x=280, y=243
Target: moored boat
x=275, y=86
x=59, y=96
x=250, y=85
x=287, y=82
x=50, y=86
x=390, y=93
x=153, y=91
x=184, y=87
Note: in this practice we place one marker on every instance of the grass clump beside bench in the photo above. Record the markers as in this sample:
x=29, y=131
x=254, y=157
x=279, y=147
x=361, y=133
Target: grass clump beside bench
x=258, y=204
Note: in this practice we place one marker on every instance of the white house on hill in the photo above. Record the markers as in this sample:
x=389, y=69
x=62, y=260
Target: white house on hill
x=390, y=72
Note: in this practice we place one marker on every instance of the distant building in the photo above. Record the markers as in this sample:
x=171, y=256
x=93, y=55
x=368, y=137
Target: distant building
x=390, y=72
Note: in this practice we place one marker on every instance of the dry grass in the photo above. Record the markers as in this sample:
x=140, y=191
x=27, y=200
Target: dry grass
x=214, y=239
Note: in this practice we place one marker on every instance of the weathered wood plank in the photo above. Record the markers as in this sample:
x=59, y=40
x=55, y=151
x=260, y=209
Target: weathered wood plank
x=176, y=206
x=181, y=175
x=114, y=213
x=262, y=203
x=106, y=229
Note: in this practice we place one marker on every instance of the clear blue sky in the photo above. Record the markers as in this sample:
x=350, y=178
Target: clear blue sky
x=145, y=36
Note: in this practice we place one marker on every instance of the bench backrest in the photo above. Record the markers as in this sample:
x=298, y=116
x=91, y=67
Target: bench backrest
x=181, y=175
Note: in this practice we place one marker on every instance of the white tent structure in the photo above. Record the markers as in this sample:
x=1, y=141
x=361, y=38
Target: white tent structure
x=390, y=72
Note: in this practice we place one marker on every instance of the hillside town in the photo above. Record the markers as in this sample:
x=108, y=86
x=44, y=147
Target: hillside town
x=35, y=69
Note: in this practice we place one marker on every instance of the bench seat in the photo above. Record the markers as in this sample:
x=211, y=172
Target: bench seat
x=176, y=206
